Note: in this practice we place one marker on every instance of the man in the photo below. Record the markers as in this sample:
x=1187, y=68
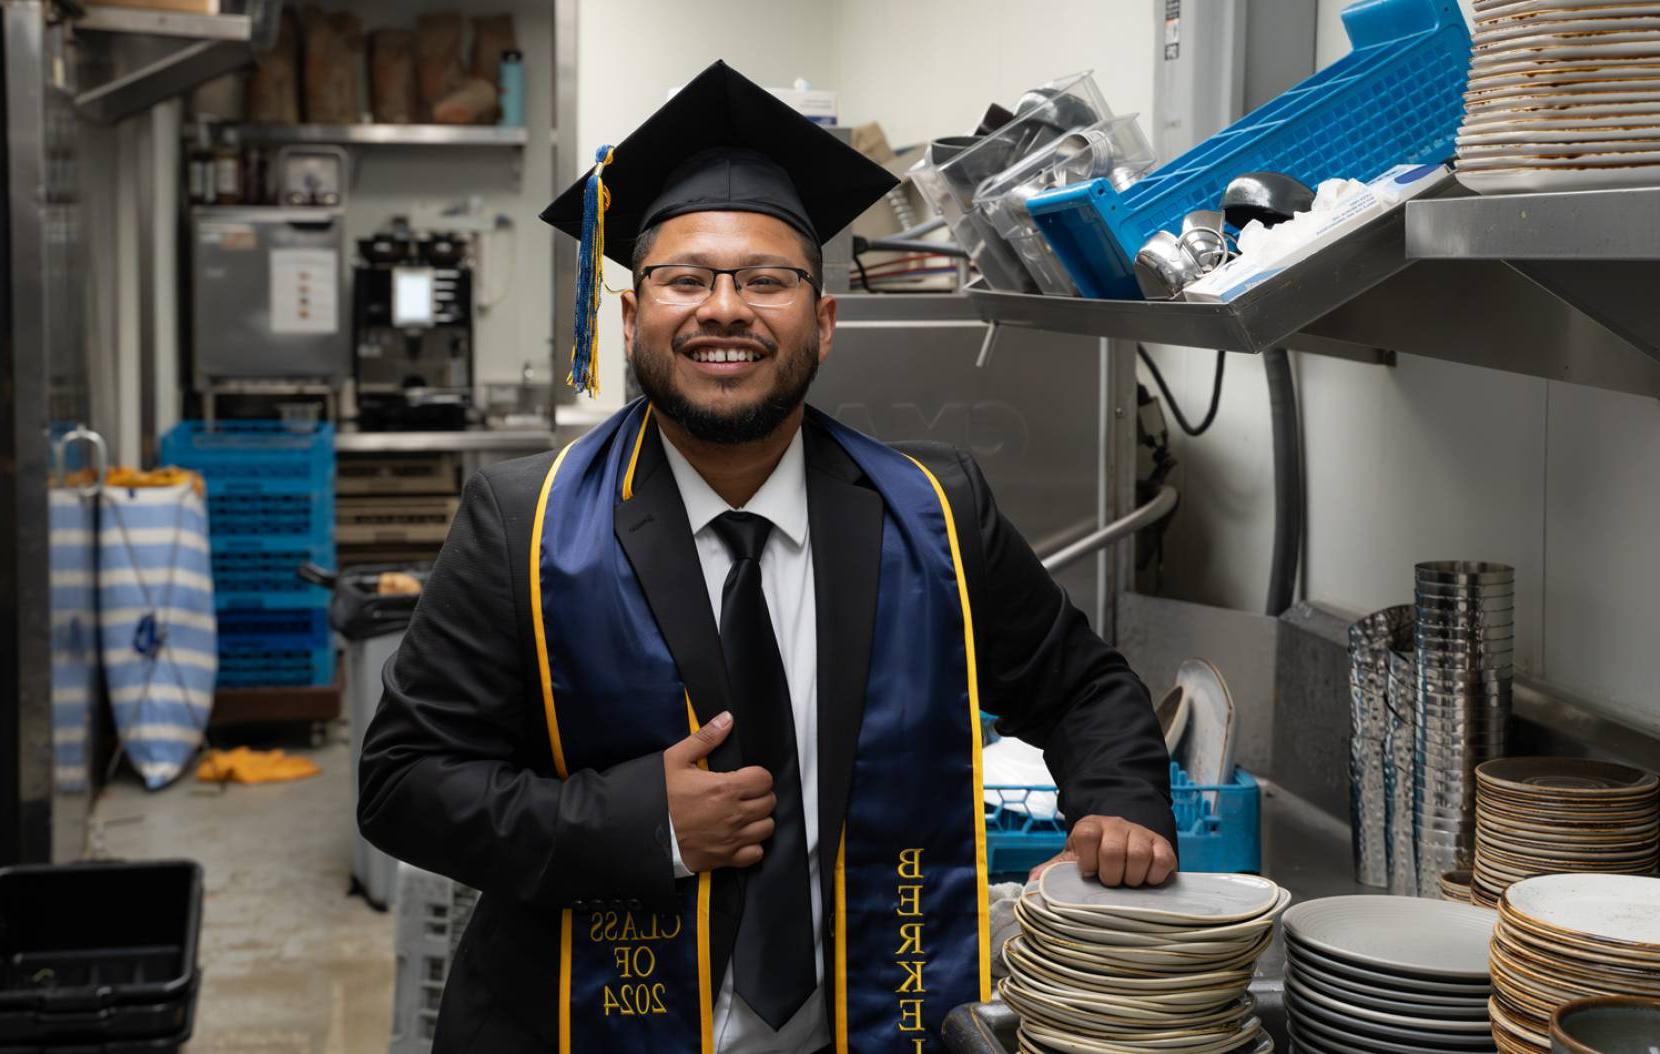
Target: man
x=695, y=702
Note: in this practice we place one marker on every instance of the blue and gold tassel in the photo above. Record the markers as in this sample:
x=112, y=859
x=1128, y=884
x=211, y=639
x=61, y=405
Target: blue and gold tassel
x=596, y=198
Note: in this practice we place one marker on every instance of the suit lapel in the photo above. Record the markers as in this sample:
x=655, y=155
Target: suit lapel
x=845, y=522
x=654, y=532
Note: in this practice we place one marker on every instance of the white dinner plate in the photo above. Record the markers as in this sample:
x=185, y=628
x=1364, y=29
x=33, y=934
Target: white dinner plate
x=1501, y=33
x=1586, y=87
x=1528, y=151
x=1636, y=72
x=1560, y=117
x=1486, y=9
x=1407, y=985
x=1600, y=104
x=1206, y=752
x=1639, y=45
x=1560, y=135
x=1618, y=908
x=1551, y=64
x=1195, y=897
x=1584, y=161
x=1426, y=938
x=1349, y=1041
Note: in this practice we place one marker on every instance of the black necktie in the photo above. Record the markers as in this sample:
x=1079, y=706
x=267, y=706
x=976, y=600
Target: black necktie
x=772, y=963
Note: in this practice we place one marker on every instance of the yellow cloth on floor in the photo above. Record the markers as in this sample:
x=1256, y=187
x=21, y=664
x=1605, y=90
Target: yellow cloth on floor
x=243, y=765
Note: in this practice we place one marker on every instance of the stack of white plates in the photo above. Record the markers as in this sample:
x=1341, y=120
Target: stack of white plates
x=1121, y=971
x=1567, y=937
x=1546, y=816
x=1563, y=95
x=1387, y=975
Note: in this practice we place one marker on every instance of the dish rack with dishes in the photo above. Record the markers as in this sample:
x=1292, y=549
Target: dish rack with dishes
x=1396, y=98
x=1218, y=826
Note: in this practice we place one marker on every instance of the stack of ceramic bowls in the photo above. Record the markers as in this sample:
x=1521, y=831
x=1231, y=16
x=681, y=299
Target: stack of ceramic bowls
x=1387, y=974
x=1400, y=774
x=1465, y=634
x=1567, y=937
x=1544, y=816
x=1371, y=640
x=1117, y=971
x=1563, y=95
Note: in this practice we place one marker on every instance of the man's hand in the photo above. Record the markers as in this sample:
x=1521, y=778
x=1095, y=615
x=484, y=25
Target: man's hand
x=1116, y=851
x=720, y=818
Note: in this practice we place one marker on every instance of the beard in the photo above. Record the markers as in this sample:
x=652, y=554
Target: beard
x=654, y=370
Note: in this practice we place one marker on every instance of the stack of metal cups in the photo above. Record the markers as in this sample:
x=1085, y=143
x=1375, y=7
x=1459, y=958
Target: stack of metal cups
x=1400, y=752
x=1464, y=629
x=1371, y=640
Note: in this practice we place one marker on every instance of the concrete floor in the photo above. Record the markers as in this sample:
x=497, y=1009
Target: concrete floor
x=290, y=963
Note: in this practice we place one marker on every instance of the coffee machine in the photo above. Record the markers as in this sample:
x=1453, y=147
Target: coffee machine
x=413, y=331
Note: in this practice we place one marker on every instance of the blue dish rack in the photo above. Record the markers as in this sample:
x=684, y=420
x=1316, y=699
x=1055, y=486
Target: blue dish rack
x=270, y=497
x=1396, y=98
x=1218, y=827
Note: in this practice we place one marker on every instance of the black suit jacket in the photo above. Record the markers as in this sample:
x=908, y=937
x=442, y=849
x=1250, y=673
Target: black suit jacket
x=457, y=777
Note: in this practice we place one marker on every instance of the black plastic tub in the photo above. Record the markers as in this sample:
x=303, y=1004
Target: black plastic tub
x=97, y=955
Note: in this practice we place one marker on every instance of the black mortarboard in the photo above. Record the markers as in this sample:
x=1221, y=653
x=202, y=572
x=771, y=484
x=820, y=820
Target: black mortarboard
x=724, y=143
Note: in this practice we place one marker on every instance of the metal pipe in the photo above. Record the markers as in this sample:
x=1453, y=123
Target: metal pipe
x=1162, y=505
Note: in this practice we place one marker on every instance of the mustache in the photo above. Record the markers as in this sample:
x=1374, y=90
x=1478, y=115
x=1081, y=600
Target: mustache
x=718, y=332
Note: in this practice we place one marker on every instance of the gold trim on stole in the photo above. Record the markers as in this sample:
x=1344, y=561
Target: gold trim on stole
x=974, y=737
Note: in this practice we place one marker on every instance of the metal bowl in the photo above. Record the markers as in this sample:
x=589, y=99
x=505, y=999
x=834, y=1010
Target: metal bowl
x=1606, y=1025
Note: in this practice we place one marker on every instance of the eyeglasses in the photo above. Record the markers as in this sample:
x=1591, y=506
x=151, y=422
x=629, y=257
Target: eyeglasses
x=687, y=285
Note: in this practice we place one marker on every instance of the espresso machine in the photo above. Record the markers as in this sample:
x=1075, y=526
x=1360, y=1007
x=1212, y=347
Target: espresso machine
x=413, y=331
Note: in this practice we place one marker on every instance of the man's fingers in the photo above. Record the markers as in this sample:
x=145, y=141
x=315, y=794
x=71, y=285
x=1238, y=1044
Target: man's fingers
x=1138, y=856
x=1164, y=862
x=1112, y=853
x=700, y=744
x=752, y=781
x=748, y=856
x=751, y=809
x=1084, y=843
x=755, y=833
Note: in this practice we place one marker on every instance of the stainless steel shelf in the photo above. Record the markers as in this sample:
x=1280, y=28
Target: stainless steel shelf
x=525, y=441
x=111, y=19
x=1597, y=250
x=1458, y=278
x=1585, y=225
x=383, y=134
x=1266, y=316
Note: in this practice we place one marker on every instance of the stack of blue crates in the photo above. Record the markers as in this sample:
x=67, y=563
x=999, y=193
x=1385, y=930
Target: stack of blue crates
x=270, y=496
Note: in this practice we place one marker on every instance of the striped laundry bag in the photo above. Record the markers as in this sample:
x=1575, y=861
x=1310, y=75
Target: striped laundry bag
x=71, y=521
x=155, y=586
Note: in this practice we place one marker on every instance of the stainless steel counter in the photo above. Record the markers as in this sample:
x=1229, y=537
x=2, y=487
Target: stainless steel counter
x=527, y=442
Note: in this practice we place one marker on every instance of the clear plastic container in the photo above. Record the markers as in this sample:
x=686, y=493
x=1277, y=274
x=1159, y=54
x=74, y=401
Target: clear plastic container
x=1115, y=149
x=952, y=170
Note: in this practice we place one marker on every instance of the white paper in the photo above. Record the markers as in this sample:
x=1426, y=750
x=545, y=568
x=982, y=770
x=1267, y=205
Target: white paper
x=304, y=285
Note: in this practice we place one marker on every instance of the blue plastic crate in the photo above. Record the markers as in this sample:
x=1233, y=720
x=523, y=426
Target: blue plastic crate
x=281, y=629
x=1218, y=828
x=1396, y=98
x=239, y=509
x=262, y=573
x=268, y=453
x=275, y=668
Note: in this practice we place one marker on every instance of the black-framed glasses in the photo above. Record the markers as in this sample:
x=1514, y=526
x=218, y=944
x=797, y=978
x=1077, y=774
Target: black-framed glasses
x=687, y=285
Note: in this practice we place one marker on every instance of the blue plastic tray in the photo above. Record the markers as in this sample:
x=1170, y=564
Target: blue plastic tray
x=262, y=573
x=268, y=454
x=1218, y=828
x=1396, y=98
x=275, y=668
x=275, y=629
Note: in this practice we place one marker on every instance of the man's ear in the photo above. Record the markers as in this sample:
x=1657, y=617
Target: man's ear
x=826, y=325
x=630, y=316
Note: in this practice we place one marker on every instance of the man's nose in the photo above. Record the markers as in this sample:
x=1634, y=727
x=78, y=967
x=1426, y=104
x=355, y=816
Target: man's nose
x=724, y=305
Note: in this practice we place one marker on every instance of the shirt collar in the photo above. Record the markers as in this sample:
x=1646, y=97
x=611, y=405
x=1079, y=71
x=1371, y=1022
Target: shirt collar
x=781, y=499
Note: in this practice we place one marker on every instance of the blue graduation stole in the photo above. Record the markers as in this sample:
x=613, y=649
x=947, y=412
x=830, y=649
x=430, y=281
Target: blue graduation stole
x=912, y=938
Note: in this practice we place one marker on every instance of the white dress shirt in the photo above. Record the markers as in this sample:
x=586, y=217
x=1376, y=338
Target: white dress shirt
x=787, y=583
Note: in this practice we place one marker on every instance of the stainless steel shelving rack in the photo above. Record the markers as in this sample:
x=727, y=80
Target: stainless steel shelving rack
x=435, y=135
x=1552, y=285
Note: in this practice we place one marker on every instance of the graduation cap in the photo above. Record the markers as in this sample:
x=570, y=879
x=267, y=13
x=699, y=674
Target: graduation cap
x=721, y=144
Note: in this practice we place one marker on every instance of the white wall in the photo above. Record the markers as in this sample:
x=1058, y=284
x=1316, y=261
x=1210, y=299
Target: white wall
x=392, y=180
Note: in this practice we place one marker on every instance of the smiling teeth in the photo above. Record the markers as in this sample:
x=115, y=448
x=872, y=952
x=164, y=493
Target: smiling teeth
x=725, y=355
